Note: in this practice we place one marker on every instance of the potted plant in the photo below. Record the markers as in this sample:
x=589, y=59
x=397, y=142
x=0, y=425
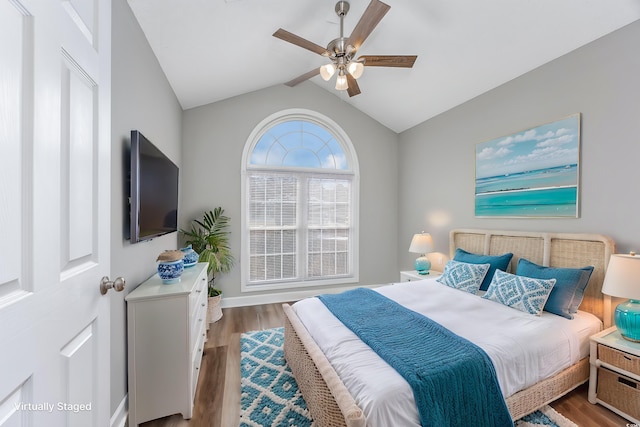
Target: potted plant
x=209, y=237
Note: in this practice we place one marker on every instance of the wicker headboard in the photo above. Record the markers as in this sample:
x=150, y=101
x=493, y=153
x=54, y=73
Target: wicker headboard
x=548, y=249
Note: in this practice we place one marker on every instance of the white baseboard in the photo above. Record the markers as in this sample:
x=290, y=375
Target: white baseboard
x=277, y=297
x=119, y=417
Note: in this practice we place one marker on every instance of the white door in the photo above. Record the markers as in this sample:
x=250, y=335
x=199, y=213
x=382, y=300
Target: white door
x=54, y=212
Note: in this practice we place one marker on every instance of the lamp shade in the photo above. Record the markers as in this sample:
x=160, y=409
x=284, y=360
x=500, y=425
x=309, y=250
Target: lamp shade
x=421, y=243
x=326, y=71
x=623, y=280
x=341, y=82
x=623, y=277
x=355, y=69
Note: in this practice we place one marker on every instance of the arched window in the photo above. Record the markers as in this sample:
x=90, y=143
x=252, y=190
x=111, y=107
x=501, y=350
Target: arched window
x=300, y=193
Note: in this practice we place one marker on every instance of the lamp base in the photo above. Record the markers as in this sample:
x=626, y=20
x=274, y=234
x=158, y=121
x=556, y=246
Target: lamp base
x=627, y=319
x=422, y=265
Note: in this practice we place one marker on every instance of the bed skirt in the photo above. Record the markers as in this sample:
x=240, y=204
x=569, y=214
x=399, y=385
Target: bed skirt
x=331, y=405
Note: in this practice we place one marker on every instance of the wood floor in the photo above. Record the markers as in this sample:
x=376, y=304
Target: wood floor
x=217, y=402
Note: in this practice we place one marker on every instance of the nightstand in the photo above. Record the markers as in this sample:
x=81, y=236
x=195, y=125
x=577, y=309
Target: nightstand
x=413, y=275
x=615, y=374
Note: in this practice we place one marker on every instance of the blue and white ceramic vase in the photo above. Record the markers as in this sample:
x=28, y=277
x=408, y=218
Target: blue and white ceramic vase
x=190, y=256
x=170, y=271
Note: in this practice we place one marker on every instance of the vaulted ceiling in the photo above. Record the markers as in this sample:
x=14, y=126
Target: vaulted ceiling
x=212, y=50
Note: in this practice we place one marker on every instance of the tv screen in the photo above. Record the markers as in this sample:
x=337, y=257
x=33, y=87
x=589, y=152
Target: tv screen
x=154, y=190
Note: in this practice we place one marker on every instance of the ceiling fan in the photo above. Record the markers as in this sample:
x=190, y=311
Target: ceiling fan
x=341, y=51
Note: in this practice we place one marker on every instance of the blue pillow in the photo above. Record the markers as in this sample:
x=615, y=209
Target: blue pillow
x=463, y=275
x=519, y=292
x=568, y=291
x=497, y=262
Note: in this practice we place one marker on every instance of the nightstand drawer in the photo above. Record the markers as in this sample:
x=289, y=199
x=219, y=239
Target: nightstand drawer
x=619, y=391
x=619, y=359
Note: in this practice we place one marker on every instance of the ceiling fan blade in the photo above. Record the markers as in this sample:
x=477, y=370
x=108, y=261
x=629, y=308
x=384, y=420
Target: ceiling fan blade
x=353, y=88
x=370, y=18
x=299, y=41
x=305, y=76
x=402, y=61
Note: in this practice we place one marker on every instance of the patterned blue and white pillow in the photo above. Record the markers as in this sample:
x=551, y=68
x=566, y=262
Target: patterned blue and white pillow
x=463, y=275
x=519, y=292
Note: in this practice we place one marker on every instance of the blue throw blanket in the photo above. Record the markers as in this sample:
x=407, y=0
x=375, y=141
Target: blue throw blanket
x=454, y=382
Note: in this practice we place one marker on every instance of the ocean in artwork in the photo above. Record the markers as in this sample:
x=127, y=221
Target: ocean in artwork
x=531, y=173
x=548, y=192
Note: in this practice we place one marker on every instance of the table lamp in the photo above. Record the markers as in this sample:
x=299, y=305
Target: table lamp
x=623, y=280
x=422, y=244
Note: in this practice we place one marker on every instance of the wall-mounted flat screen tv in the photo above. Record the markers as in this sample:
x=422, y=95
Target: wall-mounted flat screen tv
x=154, y=190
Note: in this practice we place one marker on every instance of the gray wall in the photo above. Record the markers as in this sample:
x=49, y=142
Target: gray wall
x=600, y=80
x=214, y=138
x=141, y=99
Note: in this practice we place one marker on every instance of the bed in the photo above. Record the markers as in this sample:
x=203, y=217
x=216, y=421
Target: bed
x=329, y=399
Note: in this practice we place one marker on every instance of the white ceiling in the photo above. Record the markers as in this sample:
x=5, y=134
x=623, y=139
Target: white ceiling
x=211, y=50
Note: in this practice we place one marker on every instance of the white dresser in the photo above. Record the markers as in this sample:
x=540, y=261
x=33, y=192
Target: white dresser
x=166, y=333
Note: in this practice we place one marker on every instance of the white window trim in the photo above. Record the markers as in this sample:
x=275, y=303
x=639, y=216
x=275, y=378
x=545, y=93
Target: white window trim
x=354, y=171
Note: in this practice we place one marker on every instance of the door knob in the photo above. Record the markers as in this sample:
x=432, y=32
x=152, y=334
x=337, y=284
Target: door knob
x=106, y=284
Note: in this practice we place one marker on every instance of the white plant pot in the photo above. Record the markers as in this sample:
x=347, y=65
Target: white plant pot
x=214, y=312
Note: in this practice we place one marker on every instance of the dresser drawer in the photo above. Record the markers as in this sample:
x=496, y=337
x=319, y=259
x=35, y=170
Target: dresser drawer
x=619, y=391
x=198, y=333
x=198, y=304
x=625, y=361
x=198, y=318
x=197, y=329
x=195, y=365
x=200, y=291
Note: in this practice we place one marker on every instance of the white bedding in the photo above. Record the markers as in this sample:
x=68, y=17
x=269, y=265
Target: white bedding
x=524, y=349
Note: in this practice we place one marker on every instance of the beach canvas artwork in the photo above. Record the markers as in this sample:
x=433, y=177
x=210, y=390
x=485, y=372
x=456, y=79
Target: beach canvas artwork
x=532, y=173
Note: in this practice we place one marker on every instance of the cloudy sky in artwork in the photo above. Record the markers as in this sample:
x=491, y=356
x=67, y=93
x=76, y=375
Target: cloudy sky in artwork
x=546, y=146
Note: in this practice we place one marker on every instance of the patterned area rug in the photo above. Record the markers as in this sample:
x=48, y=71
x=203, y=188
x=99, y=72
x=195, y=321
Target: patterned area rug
x=270, y=395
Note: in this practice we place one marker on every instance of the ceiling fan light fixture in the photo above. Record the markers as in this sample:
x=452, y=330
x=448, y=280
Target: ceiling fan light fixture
x=341, y=81
x=356, y=69
x=342, y=50
x=326, y=71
